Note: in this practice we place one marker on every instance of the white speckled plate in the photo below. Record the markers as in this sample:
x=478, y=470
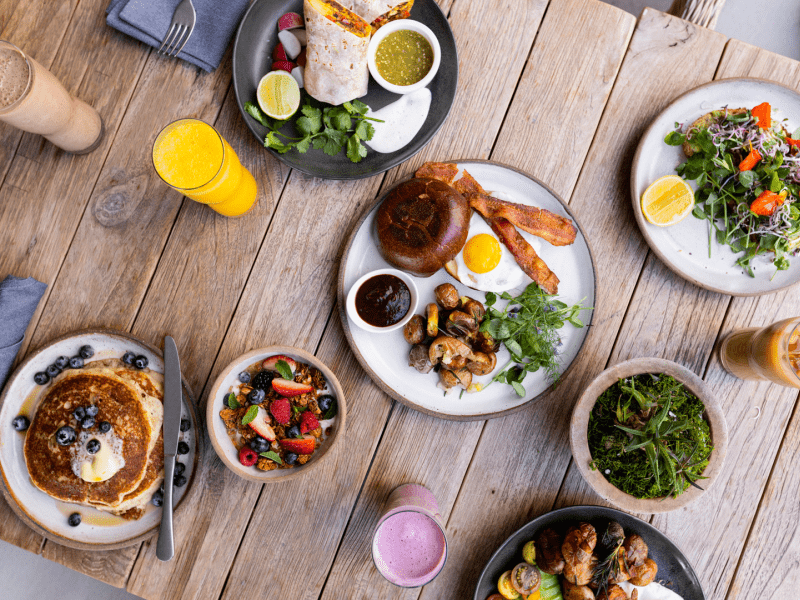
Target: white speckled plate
x=684, y=247
x=385, y=355
x=46, y=515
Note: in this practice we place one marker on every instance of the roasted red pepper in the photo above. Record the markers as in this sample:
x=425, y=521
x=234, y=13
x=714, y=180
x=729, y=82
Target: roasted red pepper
x=791, y=142
x=766, y=203
x=763, y=111
x=750, y=161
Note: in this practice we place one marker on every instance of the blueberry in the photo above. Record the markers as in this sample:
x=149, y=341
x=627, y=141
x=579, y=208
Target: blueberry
x=263, y=380
x=86, y=351
x=259, y=444
x=158, y=498
x=41, y=378
x=65, y=436
x=52, y=371
x=293, y=432
x=290, y=458
x=92, y=410
x=186, y=424
x=179, y=480
x=183, y=448
x=93, y=446
x=87, y=423
x=61, y=362
x=20, y=423
x=179, y=468
x=244, y=377
x=256, y=396
x=76, y=362
x=128, y=358
x=104, y=426
x=74, y=520
x=79, y=413
x=325, y=402
x=140, y=362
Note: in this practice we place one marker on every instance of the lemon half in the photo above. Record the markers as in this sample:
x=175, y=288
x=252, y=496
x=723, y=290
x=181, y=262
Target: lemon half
x=667, y=201
x=278, y=95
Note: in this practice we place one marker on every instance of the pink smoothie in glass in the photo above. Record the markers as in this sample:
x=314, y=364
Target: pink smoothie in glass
x=409, y=549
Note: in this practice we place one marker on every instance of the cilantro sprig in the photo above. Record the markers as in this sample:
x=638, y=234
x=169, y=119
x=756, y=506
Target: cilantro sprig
x=329, y=129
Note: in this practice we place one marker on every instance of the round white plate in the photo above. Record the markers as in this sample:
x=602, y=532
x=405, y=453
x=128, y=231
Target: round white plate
x=385, y=355
x=684, y=247
x=98, y=530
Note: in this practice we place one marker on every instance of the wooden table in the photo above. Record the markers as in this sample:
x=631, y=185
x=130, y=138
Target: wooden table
x=562, y=90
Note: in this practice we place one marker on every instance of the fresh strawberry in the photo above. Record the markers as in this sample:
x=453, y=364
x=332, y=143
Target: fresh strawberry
x=247, y=456
x=269, y=363
x=283, y=65
x=308, y=422
x=303, y=445
x=301, y=62
x=290, y=20
x=261, y=426
x=279, y=53
x=281, y=409
x=290, y=388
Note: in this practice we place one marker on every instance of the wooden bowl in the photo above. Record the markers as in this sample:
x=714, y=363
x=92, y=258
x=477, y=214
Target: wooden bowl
x=580, y=444
x=223, y=445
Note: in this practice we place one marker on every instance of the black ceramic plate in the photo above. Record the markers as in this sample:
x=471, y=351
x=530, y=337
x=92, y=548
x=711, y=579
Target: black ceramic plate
x=252, y=59
x=674, y=571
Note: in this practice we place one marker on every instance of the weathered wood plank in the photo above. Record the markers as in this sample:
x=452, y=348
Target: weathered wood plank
x=496, y=498
x=110, y=566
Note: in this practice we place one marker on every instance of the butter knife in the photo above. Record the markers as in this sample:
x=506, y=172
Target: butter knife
x=173, y=394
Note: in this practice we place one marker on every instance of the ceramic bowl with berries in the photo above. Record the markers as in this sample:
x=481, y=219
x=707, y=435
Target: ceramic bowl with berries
x=274, y=413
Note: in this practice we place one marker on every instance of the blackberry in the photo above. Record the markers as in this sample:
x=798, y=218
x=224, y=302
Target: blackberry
x=263, y=380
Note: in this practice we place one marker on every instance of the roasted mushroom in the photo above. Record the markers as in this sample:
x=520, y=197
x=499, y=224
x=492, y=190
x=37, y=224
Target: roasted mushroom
x=635, y=550
x=446, y=295
x=483, y=364
x=474, y=308
x=548, y=552
x=577, y=548
x=432, y=312
x=460, y=323
x=419, y=359
x=576, y=592
x=645, y=573
x=613, y=592
x=414, y=330
x=444, y=349
x=458, y=362
x=486, y=343
x=450, y=379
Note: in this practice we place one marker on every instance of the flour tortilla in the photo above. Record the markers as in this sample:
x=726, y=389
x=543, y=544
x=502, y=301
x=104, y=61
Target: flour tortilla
x=369, y=10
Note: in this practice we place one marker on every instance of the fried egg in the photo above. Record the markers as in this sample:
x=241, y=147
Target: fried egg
x=484, y=263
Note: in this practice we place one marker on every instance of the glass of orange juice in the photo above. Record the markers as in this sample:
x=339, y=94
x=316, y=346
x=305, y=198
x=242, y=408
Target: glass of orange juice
x=770, y=353
x=194, y=159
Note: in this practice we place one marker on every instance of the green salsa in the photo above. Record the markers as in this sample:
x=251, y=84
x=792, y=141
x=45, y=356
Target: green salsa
x=404, y=57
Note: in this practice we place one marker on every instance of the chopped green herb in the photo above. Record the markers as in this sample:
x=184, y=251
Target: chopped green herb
x=284, y=369
x=251, y=414
x=231, y=401
x=272, y=455
x=331, y=412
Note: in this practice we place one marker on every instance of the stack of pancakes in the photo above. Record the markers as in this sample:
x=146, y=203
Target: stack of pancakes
x=132, y=401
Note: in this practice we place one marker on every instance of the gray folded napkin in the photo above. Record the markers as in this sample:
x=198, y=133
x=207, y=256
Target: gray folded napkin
x=18, y=301
x=149, y=20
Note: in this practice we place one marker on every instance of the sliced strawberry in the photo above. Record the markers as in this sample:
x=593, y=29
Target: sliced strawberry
x=303, y=445
x=308, y=422
x=247, y=456
x=279, y=53
x=269, y=363
x=281, y=409
x=290, y=388
x=301, y=62
x=261, y=426
x=290, y=20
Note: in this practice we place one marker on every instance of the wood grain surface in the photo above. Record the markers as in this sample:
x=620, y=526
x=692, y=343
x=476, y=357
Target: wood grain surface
x=560, y=89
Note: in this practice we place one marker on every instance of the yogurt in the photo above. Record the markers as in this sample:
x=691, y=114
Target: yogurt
x=401, y=121
x=653, y=591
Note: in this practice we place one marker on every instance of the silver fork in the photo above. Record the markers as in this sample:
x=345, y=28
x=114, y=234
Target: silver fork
x=180, y=30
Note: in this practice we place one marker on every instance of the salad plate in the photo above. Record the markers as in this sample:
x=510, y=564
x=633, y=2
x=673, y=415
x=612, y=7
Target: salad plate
x=252, y=59
x=43, y=513
x=385, y=355
x=689, y=248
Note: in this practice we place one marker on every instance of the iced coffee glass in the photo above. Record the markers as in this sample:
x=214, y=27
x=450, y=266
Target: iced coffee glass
x=32, y=99
x=769, y=353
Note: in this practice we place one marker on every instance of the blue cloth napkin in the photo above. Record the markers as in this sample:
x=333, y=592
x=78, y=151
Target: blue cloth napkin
x=18, y=301
x=149, y=20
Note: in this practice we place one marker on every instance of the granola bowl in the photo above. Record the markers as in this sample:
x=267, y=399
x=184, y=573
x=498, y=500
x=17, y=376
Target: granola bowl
x=266, y=426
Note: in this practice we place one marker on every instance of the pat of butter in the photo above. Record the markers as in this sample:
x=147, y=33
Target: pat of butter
x=103, y=467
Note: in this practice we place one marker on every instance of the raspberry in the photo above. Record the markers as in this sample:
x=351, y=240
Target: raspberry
x=308, y=422
x=281, y=409
x=247, y=456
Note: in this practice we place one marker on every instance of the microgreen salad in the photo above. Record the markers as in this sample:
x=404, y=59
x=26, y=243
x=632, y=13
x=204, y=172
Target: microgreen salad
x=747, y=170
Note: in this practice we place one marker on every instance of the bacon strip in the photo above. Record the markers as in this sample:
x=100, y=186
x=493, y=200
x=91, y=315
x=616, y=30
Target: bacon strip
x=442, y=171
x=526, y=257
x=553, y=228
x=468, y=185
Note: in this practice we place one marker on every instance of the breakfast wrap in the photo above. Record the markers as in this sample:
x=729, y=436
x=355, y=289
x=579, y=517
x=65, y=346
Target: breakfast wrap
x=336, y=64
x=380, y=12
